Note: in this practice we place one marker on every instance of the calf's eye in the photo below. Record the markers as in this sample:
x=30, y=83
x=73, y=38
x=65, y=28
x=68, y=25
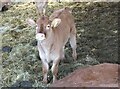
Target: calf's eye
x=48, y=26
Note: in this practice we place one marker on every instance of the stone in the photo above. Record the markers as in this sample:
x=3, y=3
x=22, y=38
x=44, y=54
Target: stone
x=7, y=49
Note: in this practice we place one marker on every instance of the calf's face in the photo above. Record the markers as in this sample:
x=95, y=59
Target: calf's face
x=43, y=26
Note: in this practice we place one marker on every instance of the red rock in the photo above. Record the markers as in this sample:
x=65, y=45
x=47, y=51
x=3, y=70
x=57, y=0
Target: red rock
x=103, y=75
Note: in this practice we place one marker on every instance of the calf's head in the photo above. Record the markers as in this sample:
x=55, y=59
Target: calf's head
x=43, y=26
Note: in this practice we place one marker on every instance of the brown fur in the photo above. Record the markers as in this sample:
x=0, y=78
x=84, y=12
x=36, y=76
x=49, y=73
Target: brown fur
x=52, y=48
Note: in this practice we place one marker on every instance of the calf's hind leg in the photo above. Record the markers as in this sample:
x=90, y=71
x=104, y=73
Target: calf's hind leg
x=73, y=43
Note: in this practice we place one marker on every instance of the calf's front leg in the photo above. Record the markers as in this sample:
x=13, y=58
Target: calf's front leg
x=45, y=68
x=54, y=69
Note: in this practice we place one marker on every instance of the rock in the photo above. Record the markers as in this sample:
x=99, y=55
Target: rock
x=34, y=43
x=17, y=84
x=22, y=84
x=103, y=75
x=3, y=29
x=26, y=84
x=4, y=8
x=4, y=5
x=7, y=49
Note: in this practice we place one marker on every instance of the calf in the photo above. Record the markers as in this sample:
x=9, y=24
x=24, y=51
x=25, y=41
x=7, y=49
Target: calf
x=52, y=34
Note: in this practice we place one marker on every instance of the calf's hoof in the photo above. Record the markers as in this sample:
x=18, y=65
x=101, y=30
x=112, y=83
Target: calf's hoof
x=54, y=81
x=74, y=57
x=44, y=81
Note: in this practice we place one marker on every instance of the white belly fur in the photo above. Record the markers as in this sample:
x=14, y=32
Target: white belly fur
x=46, y=55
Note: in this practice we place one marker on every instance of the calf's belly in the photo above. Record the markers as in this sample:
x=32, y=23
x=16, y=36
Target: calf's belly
x=48, y=58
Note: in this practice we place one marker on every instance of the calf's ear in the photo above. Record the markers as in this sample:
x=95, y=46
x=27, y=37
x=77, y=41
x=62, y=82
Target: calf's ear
x=55, y=22
x=31, y=22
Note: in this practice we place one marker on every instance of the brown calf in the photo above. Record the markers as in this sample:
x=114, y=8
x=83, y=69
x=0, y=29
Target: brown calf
x=52, y=34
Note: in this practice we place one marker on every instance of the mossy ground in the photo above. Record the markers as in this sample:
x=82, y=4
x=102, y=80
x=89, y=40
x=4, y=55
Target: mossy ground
x=97, y=37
